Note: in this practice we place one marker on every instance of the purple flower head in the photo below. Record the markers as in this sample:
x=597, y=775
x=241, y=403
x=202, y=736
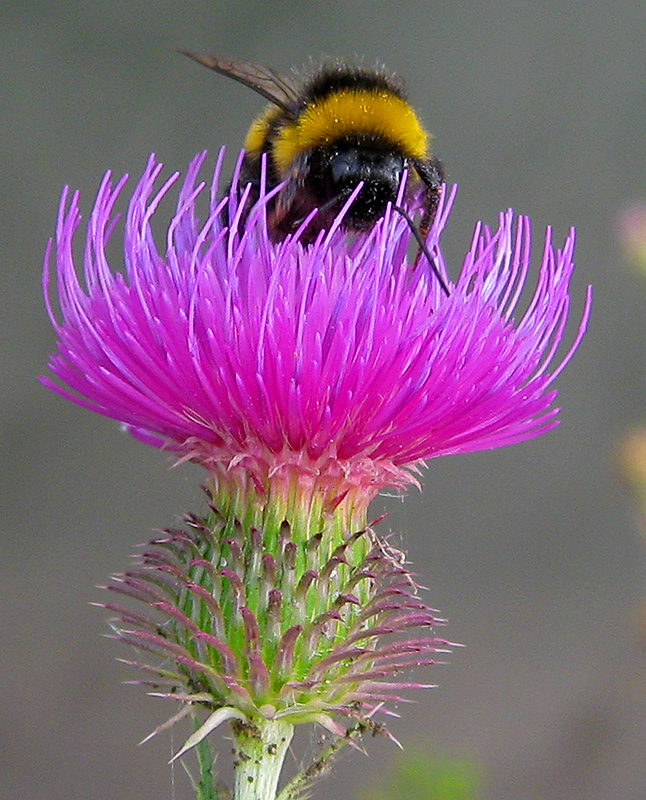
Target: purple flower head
x=339, y=359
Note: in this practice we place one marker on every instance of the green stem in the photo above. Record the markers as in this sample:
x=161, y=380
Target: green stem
x=205, y=787
x=260, y=750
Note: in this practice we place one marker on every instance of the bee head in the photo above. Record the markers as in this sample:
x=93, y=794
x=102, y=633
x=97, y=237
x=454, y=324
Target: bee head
x=341, y=169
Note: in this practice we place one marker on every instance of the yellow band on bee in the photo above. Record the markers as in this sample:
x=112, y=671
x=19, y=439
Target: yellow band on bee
x=257, y=133
x=349, y=112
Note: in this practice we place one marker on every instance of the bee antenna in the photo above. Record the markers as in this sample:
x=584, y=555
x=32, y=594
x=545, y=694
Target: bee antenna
x=422, y=246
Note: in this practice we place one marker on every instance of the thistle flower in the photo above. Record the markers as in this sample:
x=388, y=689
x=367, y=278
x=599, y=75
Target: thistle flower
x=304, y=379
x=338, y=361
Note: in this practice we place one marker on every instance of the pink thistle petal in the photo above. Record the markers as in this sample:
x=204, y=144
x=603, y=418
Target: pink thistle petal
x=337, y=360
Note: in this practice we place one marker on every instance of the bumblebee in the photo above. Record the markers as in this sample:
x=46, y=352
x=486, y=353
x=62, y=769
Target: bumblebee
x=344, y=126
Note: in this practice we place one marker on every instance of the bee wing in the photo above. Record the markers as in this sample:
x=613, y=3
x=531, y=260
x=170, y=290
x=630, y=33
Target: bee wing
x=270, y=84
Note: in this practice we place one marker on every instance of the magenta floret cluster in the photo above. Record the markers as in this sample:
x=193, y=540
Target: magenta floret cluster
x=228, y=348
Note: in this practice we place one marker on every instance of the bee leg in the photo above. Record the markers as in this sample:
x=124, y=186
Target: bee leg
x=432, y=175
x=279, y=218
x=431, y=201
x=291, y=205
x=423, y=249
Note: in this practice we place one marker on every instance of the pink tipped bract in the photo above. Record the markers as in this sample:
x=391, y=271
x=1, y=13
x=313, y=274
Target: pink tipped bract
x=224, y=346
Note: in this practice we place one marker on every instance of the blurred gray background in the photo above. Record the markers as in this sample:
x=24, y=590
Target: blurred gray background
x=530, y=551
